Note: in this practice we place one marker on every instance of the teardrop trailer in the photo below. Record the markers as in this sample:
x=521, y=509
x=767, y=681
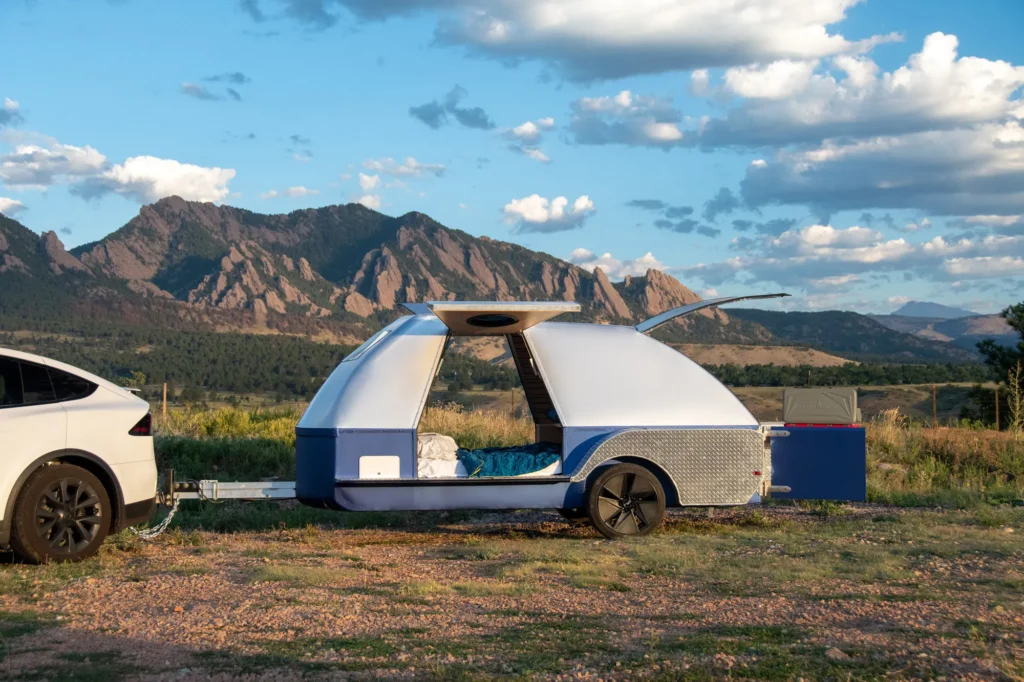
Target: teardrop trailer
x=625, y=426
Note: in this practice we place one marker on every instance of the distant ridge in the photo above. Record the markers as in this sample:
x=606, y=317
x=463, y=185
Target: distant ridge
x=340, y=272
x=928, y=309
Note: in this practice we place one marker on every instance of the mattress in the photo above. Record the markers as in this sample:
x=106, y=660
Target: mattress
x=535, y=459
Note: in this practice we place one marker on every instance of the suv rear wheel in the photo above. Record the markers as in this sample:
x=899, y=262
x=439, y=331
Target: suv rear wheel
x=626, y=500
x=62, y=513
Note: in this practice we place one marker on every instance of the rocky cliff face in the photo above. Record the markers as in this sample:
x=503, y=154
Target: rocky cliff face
x=24, y=252
x=250, y=277
x=657, y=292
x=344, y=262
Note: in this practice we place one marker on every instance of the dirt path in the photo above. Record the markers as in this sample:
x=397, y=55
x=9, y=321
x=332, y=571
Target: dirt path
x=780, y=593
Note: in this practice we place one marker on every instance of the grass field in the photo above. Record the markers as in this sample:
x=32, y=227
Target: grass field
x=924, y=582
x=857, y=592
x=907, y=464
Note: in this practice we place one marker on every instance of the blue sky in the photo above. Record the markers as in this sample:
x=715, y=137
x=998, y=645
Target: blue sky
x=854, y=154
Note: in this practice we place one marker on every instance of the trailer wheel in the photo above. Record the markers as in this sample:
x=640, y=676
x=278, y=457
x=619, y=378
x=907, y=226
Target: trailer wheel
x=574, y=514
x=62, y=514
x=626, y=500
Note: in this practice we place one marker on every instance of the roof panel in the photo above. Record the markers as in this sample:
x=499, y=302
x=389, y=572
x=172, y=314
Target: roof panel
x=487, y=318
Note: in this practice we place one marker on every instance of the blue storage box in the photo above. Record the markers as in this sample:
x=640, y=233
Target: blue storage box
x=821, y=463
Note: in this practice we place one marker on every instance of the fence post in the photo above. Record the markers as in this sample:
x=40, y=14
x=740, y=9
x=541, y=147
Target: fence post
x=935, y=407
x=164, y=410
x=997, y=407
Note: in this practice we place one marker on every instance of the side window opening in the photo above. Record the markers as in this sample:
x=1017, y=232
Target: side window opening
x=10, y=383
x=70, y=387
x=495, y=374
x=36, y=384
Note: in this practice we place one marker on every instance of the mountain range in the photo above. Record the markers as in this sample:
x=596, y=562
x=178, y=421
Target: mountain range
x=340, y=271
x=964, y=332
x=932, y=310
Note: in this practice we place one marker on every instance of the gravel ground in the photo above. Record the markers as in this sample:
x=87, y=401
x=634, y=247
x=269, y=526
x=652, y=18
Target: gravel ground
x=852, y=592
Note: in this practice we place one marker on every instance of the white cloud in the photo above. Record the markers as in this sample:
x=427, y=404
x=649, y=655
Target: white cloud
x=10, y=113
x=526, y=137
x=625, y=118
x=293, y=192
x=535, y=154
x=834, y=282
x=527, y=132
x=37, y=166
x=463, y=207
x=985, y=267
x=369, y=201
x=700, y=82
x=897, y=300
x=922, y=224
x=46, y=162
x=596, y=39
x=971, y=171
x=410, y=168
x=825, y=257
x=710, y=292
x=148, y=178
x=997, y=220
x=10, y=207
x=825, y=239
x=368, y=182
x=934, y=90
x=300, y=191
x=537, y=214
x=613, y=267
x=777, y=80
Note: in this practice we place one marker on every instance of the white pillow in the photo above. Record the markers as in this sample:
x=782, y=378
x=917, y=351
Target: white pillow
x=436, y=446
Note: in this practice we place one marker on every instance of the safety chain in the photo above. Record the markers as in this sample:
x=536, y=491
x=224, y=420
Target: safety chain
x=150, y=533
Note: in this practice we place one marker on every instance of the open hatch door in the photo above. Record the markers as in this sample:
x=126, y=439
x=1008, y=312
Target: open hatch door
x=668, y=315
x=491, y=318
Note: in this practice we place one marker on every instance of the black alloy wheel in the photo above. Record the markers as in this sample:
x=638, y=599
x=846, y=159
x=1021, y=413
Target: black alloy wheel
x=626, y=500
x=62, y=514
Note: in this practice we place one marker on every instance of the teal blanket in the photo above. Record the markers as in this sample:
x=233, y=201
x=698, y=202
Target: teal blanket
x=513, y=461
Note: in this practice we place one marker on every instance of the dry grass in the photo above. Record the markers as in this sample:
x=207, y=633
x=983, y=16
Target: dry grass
x=907, y=464
x=276, y=425
x=474, y=430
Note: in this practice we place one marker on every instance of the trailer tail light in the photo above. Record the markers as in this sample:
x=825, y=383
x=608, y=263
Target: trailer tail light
x=144, y=427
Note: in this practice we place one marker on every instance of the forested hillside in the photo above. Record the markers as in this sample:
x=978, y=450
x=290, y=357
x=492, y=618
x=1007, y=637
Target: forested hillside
x=853, y=336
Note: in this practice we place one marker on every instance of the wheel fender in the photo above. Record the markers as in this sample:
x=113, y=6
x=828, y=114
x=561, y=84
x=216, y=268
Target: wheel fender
x=77, y=457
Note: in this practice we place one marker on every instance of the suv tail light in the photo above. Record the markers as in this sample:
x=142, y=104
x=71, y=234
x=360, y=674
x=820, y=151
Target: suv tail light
x=144, y=427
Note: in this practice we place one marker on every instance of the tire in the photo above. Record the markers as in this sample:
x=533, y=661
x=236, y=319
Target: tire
x=627, y=500
x=63, y=513
x=574, y=514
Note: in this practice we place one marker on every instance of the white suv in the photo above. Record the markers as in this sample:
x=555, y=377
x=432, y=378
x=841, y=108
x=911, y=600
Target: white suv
x=76, y=459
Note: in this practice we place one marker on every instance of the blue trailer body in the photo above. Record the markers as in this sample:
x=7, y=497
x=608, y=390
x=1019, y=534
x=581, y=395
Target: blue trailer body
x=821, y=463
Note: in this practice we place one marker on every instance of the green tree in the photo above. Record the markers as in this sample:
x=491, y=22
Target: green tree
x=1003, y=358
x=134, y=380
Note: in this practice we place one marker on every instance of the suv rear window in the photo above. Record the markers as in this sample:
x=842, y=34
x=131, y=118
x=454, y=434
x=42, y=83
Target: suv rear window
x=36, y=384
x=10, y=383
x=69, y=387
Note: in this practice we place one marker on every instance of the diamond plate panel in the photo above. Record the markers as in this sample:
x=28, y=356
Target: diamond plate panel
x=707, y=466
